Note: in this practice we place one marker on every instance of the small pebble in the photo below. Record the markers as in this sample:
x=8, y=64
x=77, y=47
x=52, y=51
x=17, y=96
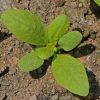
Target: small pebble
x=3, y=97
x=34, y=97
x=98, y=40
x=17, y=43
x=74, y=4
x=10, y=49
x=4, y=83
x=12, y=71
x=3, y=70
x=80, y=5
x=54, y=97
x=60, y=3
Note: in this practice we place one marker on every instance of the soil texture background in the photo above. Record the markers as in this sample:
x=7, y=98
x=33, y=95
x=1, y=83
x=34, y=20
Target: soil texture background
x=84, y=16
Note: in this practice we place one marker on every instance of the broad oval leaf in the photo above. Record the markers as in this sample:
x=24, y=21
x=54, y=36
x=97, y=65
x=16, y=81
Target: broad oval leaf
x=70, y=40
x=26, y=26
x=97, y=2
x=45, y=52
x=71, y=74
x=57, y=28
x=30, y=62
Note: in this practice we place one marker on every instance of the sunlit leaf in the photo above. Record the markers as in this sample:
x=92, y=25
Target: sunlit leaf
x=57, y=28
x=30, y=62
x=45, y=52
x=70, y=40
x=71, y=74
x=26, y=26
x=97, y=2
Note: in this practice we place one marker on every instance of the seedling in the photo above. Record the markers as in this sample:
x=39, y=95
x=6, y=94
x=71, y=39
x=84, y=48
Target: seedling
x=67, y=70
x=97, y=2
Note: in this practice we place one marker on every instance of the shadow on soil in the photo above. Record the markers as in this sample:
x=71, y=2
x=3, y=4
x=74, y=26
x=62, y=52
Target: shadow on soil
x=95, y=9
x=80, y=51
x=83, y=50
x=4, y=72
x=4, y=36
x=94, y=92
x=38, y=73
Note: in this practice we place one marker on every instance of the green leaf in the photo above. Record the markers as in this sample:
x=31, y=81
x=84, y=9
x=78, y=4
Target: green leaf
x=70, y=40
x=71, y=74
x=45, y=52
x=26, y=26
x=57, y=28
x=30, y=62
x=97, y=2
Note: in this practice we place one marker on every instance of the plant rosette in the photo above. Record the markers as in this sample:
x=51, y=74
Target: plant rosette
x=68, y=71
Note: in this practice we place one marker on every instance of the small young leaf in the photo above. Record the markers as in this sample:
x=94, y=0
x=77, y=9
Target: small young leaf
x=30, y=62
x=26, y=26
x=71, y=74
x=45, y=52
x=70, y=40
x=97, y=2
x=57, y=28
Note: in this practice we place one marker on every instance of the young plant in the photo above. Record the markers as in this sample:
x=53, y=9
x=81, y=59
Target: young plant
x=67, y=70
x=97, y=2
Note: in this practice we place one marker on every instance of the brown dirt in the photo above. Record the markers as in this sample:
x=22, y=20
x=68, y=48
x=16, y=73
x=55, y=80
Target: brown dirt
x=40, y=85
